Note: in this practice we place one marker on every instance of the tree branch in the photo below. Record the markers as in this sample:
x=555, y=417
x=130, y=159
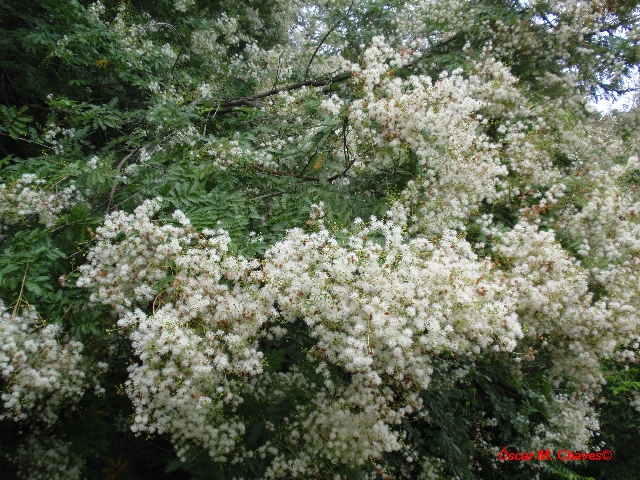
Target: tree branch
x=341, y=174
x=27, y=140
x=619, y=91
x=252, y=100
x=118, y=168
x=279, y=173
x=165, y=24
x=306, y=72
x=24, y=278
x=268, y=195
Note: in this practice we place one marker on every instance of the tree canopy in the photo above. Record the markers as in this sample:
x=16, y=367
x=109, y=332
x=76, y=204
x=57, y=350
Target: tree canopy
x=338, y=239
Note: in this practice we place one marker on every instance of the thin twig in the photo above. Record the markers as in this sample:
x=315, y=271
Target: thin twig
x=347, y=165
x=24, y=279
x=306, y=72
x=163, y=449
x=309, y=161
x=60, y=227
x=250, y=101
x=204, y=130
x=269, y=195
x=275, y=83
x=28, y=141
x=279, y=173
x=153, y=304
x=118, y=168
x=165, y=24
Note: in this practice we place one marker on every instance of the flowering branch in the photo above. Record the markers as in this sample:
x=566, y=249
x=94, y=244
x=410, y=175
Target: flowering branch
x=250, y=101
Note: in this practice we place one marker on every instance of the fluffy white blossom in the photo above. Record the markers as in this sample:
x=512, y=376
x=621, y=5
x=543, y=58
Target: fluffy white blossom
x=556, y=309
x=41, y=374
x=26, y=197
x=384, y=310
x=202, y=327
x=379, y=311
x=47, y=457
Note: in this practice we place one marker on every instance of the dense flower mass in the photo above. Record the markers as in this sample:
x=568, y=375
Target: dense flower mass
x=439, y=122
x=336, y=239
x=200, y=329
x=380, y=311
x=378, y=307
x=44, y=457
x=384, y=310
x=41, y=375
x=24, y=198
x=555, y=305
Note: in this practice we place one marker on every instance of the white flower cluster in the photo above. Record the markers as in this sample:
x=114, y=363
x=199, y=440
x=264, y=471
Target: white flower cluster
x=202, y=329
x=346, y=426
x=132, y=38
x=96, y=9
x=438, y=122
x=25, y=197
x=180, y=388
x=379, y=311
x=45, y=457
x=41, y=374
x=609, y=221
x=571, y=425
x=378, y=307
x=609, y=226
x=183, y=5
x=228, y=153
x=217, y=44
x=575, y=22
x=384, y=310
x=556, y=309
x=635, y=403
x=520, y=124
